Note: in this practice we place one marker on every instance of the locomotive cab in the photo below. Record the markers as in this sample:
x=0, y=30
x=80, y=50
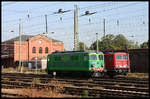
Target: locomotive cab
x=117, y=63
x=96, y=64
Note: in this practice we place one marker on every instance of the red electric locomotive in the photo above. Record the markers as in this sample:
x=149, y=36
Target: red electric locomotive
x=117, y=63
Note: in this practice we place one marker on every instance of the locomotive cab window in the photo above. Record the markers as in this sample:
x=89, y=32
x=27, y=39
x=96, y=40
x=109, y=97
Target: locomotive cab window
x=125, y=57
x=100, y=57
x=93, y=57
x=122, y=57
x=119, y=57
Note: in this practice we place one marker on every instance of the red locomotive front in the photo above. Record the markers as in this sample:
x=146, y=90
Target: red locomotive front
x=117, y=63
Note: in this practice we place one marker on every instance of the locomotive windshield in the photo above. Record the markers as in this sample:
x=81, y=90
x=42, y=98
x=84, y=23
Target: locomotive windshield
x=100, y=57
x=93, y=57
x=122, y=57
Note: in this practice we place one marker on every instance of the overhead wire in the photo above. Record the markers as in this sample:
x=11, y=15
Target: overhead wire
x=63, y=19
x=104, y=10
x=70, y=11
x=72, y=17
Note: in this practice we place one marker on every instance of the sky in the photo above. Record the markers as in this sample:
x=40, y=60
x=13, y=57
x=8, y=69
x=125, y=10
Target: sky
x=132, y=20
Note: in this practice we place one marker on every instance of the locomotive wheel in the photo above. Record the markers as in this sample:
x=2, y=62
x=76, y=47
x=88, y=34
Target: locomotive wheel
x=97, y=74
x=102, y=74
x=125, y=74
x=50, y=73
x=111, y=76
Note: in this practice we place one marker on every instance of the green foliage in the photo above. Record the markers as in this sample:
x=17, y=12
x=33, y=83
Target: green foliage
x=10, y=69
x=85, y=94
x=136, y=45
x=24, y=69
x=120, y=41
x=36, y=80
x=82, y=46
x=144, y=45
x=112, y=42
x=6, y=79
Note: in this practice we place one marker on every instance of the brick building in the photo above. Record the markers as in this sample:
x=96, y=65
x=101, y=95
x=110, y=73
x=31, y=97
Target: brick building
x=32, y=46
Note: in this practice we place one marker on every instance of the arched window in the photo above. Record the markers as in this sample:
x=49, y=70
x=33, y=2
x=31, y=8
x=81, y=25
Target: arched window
x=46, y=49
x=40, y=50
x=33, y=50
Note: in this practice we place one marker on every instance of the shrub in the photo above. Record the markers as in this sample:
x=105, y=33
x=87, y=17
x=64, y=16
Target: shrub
x=25, y=69
x=85, y=94
x=36, y=80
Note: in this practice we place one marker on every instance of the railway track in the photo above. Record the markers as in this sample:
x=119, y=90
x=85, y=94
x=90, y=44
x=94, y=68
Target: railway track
x=109, y=87
x=96, y=82
x=12, y=95
x=78, y=90
x=47, y=77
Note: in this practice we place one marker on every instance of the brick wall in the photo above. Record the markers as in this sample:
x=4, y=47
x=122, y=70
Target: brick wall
x=34, y=42
x=24, y=50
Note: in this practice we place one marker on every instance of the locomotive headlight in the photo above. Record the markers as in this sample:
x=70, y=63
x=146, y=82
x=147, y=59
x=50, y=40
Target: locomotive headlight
x=117, y=66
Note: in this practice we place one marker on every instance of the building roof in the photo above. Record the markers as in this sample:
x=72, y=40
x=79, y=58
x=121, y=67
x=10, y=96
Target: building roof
x=27, y=37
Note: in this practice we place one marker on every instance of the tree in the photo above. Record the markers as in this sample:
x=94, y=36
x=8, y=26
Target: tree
x=136, y=45
x=112, y=42
x=144, y=45
x=120, y=41
x=82, y=46
x=108, y=42
x=130, y=44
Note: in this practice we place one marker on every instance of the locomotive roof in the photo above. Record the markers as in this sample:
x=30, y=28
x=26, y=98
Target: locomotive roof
x=116, y=53
x=72, y=52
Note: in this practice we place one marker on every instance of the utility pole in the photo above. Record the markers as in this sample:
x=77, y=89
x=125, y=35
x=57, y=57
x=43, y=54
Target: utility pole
x=46, y=25
x=104, y=27
x=84, y=46
x=20, y=67
x=118, y=25
x=104, y=31
x=36, y=64
x=76, y=43
x=97, y=42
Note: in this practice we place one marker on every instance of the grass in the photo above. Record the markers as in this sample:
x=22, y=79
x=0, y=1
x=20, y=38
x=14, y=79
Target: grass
x=24, y=70
x=6, y=79
x=6, y=70
x=36, y=81
x=85, y=94
x=33, y=93
x=138, y=75
x=47, y=91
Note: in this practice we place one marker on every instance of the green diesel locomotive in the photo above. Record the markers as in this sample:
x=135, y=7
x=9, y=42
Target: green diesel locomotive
x=76, y=62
